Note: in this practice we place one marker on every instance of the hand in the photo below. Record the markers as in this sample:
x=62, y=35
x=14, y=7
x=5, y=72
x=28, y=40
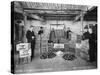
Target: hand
x=32, y=37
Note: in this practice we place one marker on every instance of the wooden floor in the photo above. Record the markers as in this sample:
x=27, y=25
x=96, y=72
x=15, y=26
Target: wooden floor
x=54, y=64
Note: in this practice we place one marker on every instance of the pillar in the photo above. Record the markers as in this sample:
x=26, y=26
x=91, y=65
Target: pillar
x=25, y=20
x=82, y=18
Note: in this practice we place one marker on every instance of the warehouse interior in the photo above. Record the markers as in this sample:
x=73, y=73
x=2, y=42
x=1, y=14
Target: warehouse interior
x=58, y=17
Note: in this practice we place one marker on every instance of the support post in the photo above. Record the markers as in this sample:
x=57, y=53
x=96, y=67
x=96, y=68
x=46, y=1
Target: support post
x=25, y=19
x=82, y=18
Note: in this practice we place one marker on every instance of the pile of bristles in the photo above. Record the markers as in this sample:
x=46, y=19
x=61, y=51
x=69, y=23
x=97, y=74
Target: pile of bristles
x=47, y=55
x=69, y=57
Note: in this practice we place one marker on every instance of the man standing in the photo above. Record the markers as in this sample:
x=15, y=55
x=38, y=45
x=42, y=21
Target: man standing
x=40, y=33
x=92, y=46
x=86, y=34
x=68, y=35
x=31, y=39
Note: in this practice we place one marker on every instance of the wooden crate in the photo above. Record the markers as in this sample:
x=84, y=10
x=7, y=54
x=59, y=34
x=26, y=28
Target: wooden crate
x=79, y=38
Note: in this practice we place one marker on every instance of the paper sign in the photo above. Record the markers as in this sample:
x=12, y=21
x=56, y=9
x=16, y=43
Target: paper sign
x=78, y=45
x=22, y=46
x=25, y=53
x=58, y=45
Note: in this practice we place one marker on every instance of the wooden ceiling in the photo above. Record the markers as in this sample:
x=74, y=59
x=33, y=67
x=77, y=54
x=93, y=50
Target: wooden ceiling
x=91, y=15
x=52, y=11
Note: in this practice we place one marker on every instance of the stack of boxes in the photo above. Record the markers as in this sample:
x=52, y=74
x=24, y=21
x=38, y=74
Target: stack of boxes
x=24, y=52
x=79, y=38
x=44, y=46
x=44, y=43
x=69, y=49
x=50, y=47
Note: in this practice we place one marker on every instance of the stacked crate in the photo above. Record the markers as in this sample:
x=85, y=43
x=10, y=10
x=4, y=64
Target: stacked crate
x=82, y=52
x=72, y=44
x=44, y=42
x=44, y=46
x=50, y=47
x=66, y=47
x=73, y=37
x=63, y=40
x=79, y=38
x=24, y=52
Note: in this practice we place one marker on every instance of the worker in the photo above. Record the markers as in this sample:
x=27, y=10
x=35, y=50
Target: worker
x=31, y=39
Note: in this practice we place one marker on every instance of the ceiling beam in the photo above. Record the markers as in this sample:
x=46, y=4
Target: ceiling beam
x=58, y=14
x=53, y=9
x=84, y=13
x=36, y=17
